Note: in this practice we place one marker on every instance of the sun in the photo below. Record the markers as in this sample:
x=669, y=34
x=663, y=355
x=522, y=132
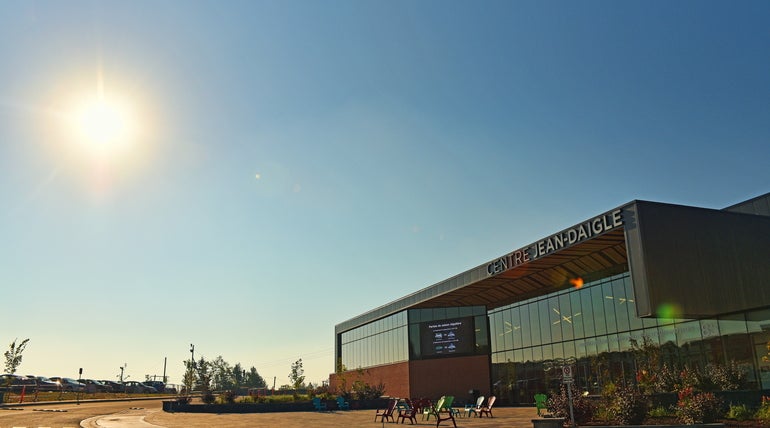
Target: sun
x=104, y=125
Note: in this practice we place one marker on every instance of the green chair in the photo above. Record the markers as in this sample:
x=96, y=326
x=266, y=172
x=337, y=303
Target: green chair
x=540, y=400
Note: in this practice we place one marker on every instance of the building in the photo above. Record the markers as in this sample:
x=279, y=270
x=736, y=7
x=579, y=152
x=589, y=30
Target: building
x=695, y=281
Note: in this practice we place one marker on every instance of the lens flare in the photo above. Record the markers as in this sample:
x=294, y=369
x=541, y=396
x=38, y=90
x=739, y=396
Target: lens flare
x=669, y=311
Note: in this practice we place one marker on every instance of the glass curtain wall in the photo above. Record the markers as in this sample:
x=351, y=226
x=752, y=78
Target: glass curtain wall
x=380, y=342
x=396, y=339
x=597, y=324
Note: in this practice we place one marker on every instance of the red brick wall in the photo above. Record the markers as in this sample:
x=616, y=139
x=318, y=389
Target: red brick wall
x=394, y=376
x=450, y=376
x=425, y=378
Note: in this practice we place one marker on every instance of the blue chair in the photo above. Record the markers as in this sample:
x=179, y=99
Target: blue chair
x=342, y=404
x=318, y=404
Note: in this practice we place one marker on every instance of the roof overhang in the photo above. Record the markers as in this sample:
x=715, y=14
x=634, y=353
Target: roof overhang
x=586, y=251
x=598, y=257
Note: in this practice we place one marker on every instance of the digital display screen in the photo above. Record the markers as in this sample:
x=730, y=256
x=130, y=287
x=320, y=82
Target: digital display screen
x=447, y=337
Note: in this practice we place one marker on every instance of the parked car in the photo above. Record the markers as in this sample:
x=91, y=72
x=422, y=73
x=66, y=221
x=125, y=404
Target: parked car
x=95, y=386
x=116, y=386
x=69, y=384
x=158, y=385
x=12, y=382
x=43, y=384
x=134, y=387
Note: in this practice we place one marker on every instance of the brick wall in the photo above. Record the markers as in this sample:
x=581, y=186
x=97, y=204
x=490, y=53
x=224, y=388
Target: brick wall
x=450, y=376
x=425, y=378
x=394, y=376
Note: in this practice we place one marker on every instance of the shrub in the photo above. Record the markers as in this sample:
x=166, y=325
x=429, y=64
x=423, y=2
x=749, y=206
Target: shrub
x=208, y=397
x=739, y=413
x=666, y=379
x=628, y=406
x=697, y=408
x=364, y=391
x=558, y=406
x=228, y=397
x=763, y=413
x=726, y=378
x=659, y=412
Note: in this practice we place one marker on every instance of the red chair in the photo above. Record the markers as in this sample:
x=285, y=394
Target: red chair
x=386, y=413
x=409, y=413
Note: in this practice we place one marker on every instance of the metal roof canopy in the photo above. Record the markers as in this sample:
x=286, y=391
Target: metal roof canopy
x=599, y=256
x=596, y=258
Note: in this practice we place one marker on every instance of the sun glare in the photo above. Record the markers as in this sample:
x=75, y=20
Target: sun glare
x=104, y=125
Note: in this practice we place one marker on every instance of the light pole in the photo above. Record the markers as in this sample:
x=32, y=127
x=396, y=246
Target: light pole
x=566, y=371
x=192, y=354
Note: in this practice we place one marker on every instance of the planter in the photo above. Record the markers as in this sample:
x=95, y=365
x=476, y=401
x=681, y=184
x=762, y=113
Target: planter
x=548, y=422
x=719, y=425
x=299, y=406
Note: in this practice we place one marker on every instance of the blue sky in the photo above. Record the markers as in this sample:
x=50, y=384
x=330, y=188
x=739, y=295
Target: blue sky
x=296, y=163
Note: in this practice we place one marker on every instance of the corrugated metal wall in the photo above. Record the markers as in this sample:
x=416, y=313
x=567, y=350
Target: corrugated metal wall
x=703, y=262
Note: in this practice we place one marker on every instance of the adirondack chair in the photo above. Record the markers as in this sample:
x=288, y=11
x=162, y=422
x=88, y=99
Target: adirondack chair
x=342, y=404
x=427, y=408
x=540, y=400
x=432, y=409
x=318, y=404
x=443, y=410
x=448, y=405
x=386, y=413
x=487, y=409
x=474, y=407
x=409, y=412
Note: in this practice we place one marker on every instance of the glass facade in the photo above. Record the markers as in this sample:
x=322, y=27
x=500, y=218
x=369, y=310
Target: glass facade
x=397, y=338
x=596, y=325
x=380, y=342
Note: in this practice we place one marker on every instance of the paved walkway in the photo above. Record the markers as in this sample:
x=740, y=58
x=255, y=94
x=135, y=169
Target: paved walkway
x=504, y=417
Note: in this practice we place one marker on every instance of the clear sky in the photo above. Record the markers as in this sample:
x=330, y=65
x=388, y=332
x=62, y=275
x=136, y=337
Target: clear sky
x=252, y=173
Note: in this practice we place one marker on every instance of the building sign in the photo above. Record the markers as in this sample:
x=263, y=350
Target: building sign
x=574, y=235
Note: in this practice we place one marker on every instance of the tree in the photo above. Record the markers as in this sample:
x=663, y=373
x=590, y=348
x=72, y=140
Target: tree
x=239, y=374
x=296, y=376
x=189, y=376
x=254, y=380
x=13, y=355
x=222, y=374
x=203, y=374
